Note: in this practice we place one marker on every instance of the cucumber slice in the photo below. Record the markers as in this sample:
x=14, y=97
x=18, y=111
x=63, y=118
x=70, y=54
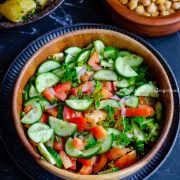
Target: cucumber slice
x=138, y=133
x=40, y=132
x=106, y=64
x=123, y=84
x=158, y=110
x=70, y=150
x=59, y=163
x=33, y=115
x=90, y=141
x=147, y=90
x=62, y=128
x=131, y=101
x=92, y=51
x=83, y=56
x=99, y=46
x=32, y=91
x=109, y=102
x=45, y=80
x=73, y=51
x=48, y=65
x=111, y=170
x=26, y=92
x=59, y=72
x=45, y=153
x=123, y=53
x=133, y=60
x=125, y=91
x=33, y=100
x=45, y=103
x=106, y=144
x=106, y=75
x=79, y=105
x=124, y=69
x=60, y=110
x=89, y=153
x=110, y=52
x=68, y=58
x=89, y=46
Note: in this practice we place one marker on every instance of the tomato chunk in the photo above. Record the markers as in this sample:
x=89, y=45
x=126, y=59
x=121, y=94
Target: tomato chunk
x=85, y=170
x=88, y=162
x=99, y=132
x=80, y=121
x=27, y=109
x=53, y=111
x=78, y=143
x=100, y=165
x=62, y=90
x=108, y=86
x=65, y=159
x=115, y=153
x=44, y=118
x=69, y=113
x=59, y=145
x=49, y=94
x=73, y=161
x=126, y=160
x=94, y=62
x=105, y=93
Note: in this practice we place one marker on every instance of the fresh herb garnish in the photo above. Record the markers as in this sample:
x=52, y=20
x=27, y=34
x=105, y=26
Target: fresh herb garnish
x=122, y=139
x=70, y=75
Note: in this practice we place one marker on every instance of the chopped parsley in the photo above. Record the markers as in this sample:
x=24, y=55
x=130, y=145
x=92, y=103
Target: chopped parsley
x=70, y=75
x=122, y=139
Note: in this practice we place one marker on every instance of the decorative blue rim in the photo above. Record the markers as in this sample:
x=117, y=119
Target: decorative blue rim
x=23, y=159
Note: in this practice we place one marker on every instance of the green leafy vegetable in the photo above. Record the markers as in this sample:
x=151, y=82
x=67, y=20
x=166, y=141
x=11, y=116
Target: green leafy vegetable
x=97, y=87
x=70, y=75
x=122, y=139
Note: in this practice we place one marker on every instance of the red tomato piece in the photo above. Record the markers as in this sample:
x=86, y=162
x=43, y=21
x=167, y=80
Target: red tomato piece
x=78, y=143
x=100, y=165
x=62, y=90
x=53, y=111
x=69, y=113
x=73, y=161
x=108, y=86
x=44, y=118
x=49, y=94
x=115, y=153
x=59, y=145
x=27, y=109
x=126, y=160
x=94, y=62
x=80, y=121
x=88, y=162
x=105, y=93
x=65, y=159
x=85, y=170
x=99, y=132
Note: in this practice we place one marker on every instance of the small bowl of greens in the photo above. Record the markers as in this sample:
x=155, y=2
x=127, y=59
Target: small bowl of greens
x=21, y=12
x=92, y=105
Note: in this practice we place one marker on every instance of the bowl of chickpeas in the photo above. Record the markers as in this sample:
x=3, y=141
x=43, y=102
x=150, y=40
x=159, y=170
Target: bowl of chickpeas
x=152, y=18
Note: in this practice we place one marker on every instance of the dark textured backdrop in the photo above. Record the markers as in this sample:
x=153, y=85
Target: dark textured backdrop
x=72, y=12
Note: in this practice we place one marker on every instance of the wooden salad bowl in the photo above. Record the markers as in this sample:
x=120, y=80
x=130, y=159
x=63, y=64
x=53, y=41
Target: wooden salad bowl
x=81, y=38
x=142, y=25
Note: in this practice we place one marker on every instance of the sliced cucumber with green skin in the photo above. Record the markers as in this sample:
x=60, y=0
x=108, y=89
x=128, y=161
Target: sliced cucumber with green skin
x=60, y=110
x=59, y=163
x=32, y=91
x=124, y=69
x=26, y=92
x=62, y=128
x=45, y=103
x=90, y=141
x=110, y=52
x=70, y=150
x=89, y=46
x=131, y=101
x=106, y=75
x=106, y=144
x=68, y=58
x=92, y=51
x=133, y=60
x=125, y=91
x=33, y=115
x=123, y=53
x=123, y=83
x=111, y=170
x=109, y=102
x=33, y=100
x=147, y=90
x=45, y=80
x=73, y=51
x=138, y=133
x=89, y=153
x=48, y=65
x=40, y=132
x=79, y=105
x=99, y=46
x=59, y=72
x=45, y=153
x=158, y=110
x=106, y=64
x=83, y=56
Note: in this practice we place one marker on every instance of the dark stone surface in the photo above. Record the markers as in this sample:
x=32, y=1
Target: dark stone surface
x=71, y=12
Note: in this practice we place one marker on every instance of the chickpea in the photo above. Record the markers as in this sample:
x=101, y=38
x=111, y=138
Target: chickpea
x=164, y=13
x=155, y=14
x=133, y=4
x=140, y=9
x=168, y=4
x=124, y=1
x=176, y=5
x=152, y=8
x=175, y=0
x=153, y=1
x=161, y=7
x=145, y=2
x=160, y=1
x=146, y=14
x=171, y=11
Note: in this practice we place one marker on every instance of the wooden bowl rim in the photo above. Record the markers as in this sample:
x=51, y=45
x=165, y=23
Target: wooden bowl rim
x=140, y=19
x=61, y=172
